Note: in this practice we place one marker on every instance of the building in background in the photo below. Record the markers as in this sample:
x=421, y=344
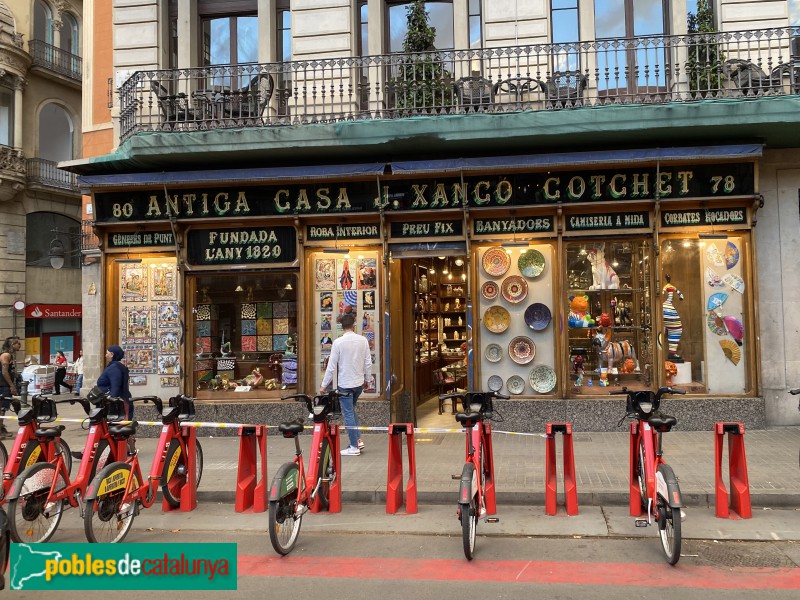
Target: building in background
x=571, y=188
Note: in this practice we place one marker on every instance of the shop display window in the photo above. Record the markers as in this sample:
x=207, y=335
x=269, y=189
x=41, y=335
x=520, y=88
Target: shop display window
x=517, y=334
x=245, y=328
x=608, y=309
x=703, y=302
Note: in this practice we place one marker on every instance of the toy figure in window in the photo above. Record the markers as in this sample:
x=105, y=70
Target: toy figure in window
x=672, y=320
x=604, y=277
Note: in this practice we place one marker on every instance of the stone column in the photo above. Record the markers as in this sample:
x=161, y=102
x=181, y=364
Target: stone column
x=19, y=85
x=188, y=34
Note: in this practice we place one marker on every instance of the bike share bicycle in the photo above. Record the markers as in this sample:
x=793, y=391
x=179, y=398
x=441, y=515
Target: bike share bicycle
x=115, y=495
x=294, y=492
x=658, y=492
x=476, y=497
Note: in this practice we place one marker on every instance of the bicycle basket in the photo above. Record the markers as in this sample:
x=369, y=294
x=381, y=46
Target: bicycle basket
x=643, y=403
x=116, y=410
x=46, y=411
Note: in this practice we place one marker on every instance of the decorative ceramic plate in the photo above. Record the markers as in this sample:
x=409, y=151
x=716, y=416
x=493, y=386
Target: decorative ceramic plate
x=489, y=290
x=716, y=300
x=736, y=282
x=522, y=350
x=495, y=383
x=496, y=319
x=715, y=323
x=537, y=316
x=731, y=255
x=542, y=379
x=715, y=256
x=713, y=278
x=515, y=384
x=496, y=261
x=531, y=263
x=514, y=289
x=493, y=353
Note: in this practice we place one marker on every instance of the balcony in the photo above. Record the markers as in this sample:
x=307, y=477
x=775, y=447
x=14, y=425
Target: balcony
x=55, y=60
x=90, y=243
x=46, y=174
x=645, y=70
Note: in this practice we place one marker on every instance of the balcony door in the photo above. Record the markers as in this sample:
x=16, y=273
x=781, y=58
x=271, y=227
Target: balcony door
x=631, y=58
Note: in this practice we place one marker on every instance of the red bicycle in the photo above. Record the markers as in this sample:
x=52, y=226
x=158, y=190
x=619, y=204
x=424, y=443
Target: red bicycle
x=476, y=496
x=39, y=494
x=27, y=450
x=293, y=491
x=114, y=496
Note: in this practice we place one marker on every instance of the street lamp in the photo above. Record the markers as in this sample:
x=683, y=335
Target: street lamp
x=56, y=254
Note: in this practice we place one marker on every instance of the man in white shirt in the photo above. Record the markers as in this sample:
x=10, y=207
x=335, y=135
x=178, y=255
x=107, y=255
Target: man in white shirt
x=351, y=360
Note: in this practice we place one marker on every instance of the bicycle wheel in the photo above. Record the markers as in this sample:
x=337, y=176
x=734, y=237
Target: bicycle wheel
x=669, y=524
x=469, y=513
x=642, y=476
x=173, y=476
x=30, y=518
x=284, y=522
x=105, y=518
x=326, y=475
x=34, y=452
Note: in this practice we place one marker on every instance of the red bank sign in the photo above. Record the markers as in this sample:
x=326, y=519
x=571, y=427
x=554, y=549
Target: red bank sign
x=53, y=311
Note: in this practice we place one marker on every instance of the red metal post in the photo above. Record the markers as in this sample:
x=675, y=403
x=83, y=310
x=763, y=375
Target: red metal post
x=551, y=474
x=740, y=506
x=394, y=477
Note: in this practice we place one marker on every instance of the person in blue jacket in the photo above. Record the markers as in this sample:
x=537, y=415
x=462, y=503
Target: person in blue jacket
x=115, y=378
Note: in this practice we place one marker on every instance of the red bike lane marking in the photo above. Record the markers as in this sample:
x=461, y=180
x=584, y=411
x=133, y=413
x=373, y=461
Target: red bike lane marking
x=575, y=573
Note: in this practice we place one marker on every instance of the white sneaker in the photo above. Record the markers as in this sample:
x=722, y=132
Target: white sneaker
x=360, y=445
x=350, y=451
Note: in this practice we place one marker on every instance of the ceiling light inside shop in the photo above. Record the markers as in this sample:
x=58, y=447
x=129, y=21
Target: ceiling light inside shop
x=687, y=244
x=239, y=289
x=459, y=262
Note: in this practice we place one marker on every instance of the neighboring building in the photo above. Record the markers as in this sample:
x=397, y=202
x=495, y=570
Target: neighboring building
x=40, y=205
x=562, y=195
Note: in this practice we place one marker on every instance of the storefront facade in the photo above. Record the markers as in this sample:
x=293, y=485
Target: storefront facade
x=551, y=278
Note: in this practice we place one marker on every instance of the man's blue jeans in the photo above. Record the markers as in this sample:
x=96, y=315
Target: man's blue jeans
x=348, y=402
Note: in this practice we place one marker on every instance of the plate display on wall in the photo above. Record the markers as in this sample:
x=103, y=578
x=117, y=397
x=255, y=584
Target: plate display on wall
x=496, y=319
x=522, y=350
x=515, y=384
x=531, y=263
x=514, y=289
x=489, y=290
x=542, y=379
x=496, y=261
x=495, y=383
x=493, y=353
x=537, y=316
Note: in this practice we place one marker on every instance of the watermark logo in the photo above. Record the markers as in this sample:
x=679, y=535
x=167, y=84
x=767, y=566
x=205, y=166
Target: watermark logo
x=122, y=567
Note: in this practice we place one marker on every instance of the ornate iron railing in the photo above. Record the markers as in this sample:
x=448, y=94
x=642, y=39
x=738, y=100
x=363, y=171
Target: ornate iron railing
x=89, y=241
x=643, y=70
x=55, y=59
x=46, y=173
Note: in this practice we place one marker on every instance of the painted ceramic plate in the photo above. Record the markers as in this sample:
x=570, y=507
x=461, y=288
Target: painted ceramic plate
x=515, y=384
x=495, y=383
x=731, y=255
x=715, y=323
x=514, y=289
x=715, y=256
x=493, y=353
x=522, y=350
x=489, y=290
x=496, y=262
x=496, y=319
x=717, y=300
x=736, y=282
x=542, y=379
x=713, y=278
x=537, y=316
x=531, y=263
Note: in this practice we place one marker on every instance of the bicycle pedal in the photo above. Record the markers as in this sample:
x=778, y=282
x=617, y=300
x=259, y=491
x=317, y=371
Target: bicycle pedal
x=641, y=522
x=492, y=519
x=456, y=477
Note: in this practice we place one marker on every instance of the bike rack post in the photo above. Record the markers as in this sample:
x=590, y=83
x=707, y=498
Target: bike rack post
x=251, y=492
x=189, y=490
x=490, y=497
x=335, y=492
x=394, y=478
x=737, y=467
x=635, y=496
x=551, y=477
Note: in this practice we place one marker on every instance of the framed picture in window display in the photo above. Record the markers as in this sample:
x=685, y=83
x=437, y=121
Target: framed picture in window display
x=241, y=313
x=705, y=313
x=608, y=314
x=508, y=347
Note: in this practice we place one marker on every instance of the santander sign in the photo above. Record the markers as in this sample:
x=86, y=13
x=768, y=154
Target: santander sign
x=53, y=311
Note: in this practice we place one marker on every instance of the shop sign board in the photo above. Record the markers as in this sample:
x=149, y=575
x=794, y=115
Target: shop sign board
x=604, y=221
x=427, y=229
x=242, y=245
x=489, y=191
x=349, y=231
x=494, y=227
x=138, y=239
x=53, y=311
x=704, y=217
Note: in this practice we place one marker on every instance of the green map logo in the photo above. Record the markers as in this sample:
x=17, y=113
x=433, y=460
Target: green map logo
x=122, y=567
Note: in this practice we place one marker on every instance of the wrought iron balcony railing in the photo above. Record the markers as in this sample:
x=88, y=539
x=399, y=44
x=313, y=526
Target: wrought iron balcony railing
x=643, y=70
x=55, y=59
x=89, y=241
x=46, y=173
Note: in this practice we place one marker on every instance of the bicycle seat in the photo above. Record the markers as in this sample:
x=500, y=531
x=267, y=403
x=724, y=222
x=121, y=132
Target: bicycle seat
x=49, y=433
x=124, y=430
x=291, y=428
x=468, y=419
x=661, y=422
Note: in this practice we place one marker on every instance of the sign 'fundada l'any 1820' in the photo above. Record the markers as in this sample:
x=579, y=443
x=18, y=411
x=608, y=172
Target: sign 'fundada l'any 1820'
x=489, y=191
x=243, y=245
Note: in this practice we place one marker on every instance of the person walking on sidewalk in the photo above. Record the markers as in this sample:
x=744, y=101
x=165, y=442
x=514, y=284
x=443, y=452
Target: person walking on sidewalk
x=78, y=364
x=115, y=379
x=61, y=372
x=8, y=378
x=351, y=360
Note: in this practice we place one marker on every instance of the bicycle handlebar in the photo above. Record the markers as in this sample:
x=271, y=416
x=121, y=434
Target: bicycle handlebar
x=794, y=392
x=322, y=406
x=638, y=400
